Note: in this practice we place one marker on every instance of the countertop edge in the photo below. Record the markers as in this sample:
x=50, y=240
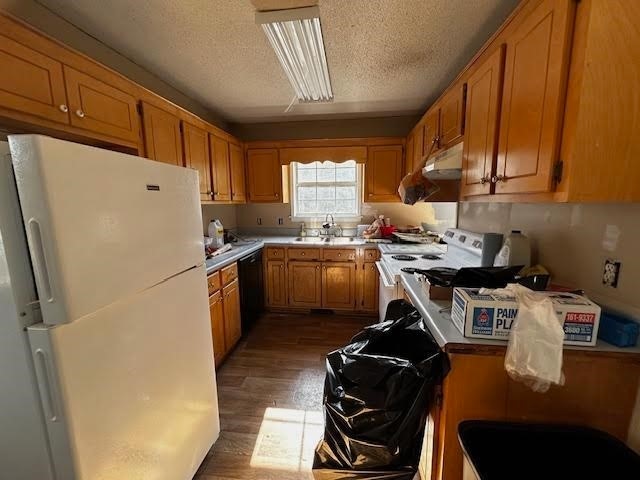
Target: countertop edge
x=217, y=264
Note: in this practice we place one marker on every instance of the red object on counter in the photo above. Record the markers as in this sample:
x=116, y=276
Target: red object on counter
x=387, y=231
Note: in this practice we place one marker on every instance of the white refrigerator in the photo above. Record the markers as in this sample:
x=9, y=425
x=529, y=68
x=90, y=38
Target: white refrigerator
x=106, y=358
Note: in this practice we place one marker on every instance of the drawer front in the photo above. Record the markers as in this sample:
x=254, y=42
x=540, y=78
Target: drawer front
x=229, y=273
x=371, y=255
x=339, y=254
x=274, y=253
x=304, y=254
x=213, y=282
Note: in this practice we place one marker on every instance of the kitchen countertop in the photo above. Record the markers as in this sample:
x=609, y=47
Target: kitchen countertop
x=450, y=339
x=253, y=243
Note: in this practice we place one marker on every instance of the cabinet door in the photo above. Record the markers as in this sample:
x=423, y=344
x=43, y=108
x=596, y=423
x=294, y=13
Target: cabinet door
x=276, y=284
x=452, y=116
x=430, y=132
x=408, y=153
x=196, y=156
x=484, y=90
x=383, y=173
x=265, y=175
x=305, y=284
x=97, y=106
x=533, y=100
x=236, y=162
x=216, y=312
x=232, y=320
x=339, y=285
x=31, y=82
x=162, y=138
x=368, y=287
x=220, y=169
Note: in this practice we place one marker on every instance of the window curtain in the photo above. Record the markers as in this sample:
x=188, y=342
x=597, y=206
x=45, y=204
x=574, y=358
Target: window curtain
x=323, y=154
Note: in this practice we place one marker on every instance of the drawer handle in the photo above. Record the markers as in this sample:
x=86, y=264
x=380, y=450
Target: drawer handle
x=303, y=254
x=339, y=254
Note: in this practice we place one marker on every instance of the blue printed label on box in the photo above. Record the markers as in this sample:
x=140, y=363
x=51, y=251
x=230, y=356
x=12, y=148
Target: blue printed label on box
x=578, y=327
x=482, y=321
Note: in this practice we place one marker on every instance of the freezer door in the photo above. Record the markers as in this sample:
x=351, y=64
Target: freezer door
x=129, y=391
x=102, y=225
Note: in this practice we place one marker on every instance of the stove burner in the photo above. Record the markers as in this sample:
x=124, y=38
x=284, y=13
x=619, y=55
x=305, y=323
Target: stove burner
x=404, y=258
x=431, y=256
x=410, y=270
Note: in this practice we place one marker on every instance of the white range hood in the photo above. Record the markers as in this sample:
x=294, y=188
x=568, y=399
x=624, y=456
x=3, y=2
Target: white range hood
x=445, y=165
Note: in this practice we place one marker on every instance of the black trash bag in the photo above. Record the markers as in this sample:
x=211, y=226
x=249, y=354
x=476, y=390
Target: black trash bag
x=377, y=394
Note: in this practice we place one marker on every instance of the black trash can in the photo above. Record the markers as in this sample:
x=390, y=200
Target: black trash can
x=377, y=394
x=526, y=451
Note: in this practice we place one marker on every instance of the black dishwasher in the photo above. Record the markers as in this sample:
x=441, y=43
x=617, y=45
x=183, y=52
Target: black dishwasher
x=251, y=289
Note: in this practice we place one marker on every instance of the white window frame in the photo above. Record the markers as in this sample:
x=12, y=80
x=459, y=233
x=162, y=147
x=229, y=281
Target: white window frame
x=343, y=217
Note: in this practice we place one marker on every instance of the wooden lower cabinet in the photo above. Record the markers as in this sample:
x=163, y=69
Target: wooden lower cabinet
x=368, y=285
x=339, y=285
x=216, y=313
x=305, y=284
x=232, y=323
x=276, y=283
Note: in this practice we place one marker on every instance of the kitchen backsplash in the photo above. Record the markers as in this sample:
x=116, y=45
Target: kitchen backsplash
x=226, y=214
x=572, y=241
x=439, y=216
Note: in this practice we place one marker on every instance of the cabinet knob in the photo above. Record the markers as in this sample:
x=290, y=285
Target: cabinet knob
x=339, y=254
x=277, y=195
x=498, y=178
x=80, y=113
x=317, y=267
x=484, y=180
x=303, y=254
x=63, y=108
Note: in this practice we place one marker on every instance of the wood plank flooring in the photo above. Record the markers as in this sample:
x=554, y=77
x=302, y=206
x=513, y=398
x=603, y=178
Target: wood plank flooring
x=270, y=395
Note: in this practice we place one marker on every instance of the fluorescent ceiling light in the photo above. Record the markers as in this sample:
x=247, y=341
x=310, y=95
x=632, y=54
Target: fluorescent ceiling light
x=296, y=37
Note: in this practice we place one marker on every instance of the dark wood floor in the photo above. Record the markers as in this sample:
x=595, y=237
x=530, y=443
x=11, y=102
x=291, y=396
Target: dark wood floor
x=270, y=394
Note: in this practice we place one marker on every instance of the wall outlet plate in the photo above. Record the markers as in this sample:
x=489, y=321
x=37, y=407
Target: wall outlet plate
x=280, y=220
x=610, y=273
x=259, y=220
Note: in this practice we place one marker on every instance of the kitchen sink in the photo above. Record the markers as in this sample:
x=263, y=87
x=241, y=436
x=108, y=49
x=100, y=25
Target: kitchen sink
x=329, y=240
x=309, y=240
x=339, y=240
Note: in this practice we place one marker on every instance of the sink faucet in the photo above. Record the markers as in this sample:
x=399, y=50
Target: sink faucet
x=329, y=229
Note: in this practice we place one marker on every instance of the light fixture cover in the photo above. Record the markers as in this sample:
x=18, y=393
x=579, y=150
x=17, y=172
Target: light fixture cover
x=296, y=37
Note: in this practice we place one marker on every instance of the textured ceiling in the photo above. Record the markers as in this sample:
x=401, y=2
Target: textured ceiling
x=386, y=57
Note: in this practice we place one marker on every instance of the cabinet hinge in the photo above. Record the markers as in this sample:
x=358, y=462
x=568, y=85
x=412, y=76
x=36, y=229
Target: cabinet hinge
x=557, y=171
x=139, y=108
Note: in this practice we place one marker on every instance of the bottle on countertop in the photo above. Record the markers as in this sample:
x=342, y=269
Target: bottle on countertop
x=516, y=250
x=216, y=232
x=303, y=231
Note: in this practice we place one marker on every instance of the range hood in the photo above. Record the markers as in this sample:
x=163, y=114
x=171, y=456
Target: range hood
x=445, y=165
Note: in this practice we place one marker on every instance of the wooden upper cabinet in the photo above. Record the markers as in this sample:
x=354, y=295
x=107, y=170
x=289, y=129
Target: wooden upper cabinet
x=484, y=89
x=232, y=320
x=161, y=134
x=99, y=107
x=220, y=169
x=196, y=156
x=265, y=175
x=276, y=282
x=383, y=173
x=31, y=82
x=339, y=285
x=236, y=163
x=430, y=132
x=452, y=116
x=533, y=101
x=305, y=284
x=409, y=153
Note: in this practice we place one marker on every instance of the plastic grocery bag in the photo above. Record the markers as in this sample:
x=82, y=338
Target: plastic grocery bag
x=377, y=394
x=534, y=353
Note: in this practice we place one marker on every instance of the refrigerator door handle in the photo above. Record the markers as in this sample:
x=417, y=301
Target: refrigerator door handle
x=40, y=261
x=45, y=382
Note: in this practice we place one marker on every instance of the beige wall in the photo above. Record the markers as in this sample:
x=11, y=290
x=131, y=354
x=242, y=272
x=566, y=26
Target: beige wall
x=225, y=213
x=340, y=128
x=436, y=215
x=48, y=22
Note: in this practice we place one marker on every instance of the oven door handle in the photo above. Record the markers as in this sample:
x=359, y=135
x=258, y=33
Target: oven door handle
x=384, y=276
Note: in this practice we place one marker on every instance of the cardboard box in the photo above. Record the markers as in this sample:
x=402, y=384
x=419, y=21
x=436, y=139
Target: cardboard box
x=491, y=316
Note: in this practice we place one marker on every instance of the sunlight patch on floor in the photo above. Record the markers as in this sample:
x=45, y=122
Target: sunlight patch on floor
x=287, y=439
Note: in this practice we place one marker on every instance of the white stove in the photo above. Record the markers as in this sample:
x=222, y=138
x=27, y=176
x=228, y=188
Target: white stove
x=463, y=249
x=412, y=248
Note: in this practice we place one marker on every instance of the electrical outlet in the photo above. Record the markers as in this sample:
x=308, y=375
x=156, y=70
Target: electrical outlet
x=280, y=220
x=610, y=273
x=259, y=221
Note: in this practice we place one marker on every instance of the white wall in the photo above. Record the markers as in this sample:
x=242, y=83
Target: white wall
x=572, y=241
x=225, y=213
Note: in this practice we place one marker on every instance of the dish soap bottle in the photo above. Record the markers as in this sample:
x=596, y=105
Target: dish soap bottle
x=303, y=231
x=216, y=232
